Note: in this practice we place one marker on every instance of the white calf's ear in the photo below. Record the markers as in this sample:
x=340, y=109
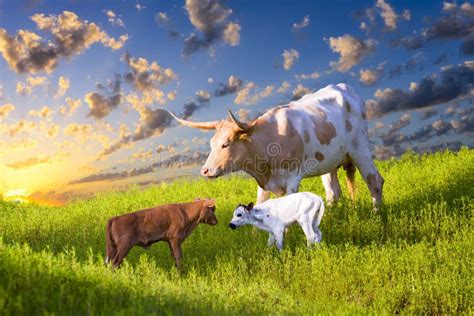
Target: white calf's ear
x=249, y=207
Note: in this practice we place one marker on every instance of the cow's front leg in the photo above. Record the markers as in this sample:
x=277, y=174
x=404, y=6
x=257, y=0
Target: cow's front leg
x=332, y=187
x=262, y=195
x=278, y=233
x=271, y=240
x=293, y=185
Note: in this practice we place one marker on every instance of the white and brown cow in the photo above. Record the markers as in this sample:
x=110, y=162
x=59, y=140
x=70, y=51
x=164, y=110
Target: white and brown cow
x=309, y=137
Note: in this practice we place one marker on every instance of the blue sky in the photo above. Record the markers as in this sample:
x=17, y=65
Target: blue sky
x=63, y=151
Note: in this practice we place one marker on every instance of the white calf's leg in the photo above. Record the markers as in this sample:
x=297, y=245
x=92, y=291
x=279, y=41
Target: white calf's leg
x=271, y=240
x=262, y=195
x=278, y=234
x=308, y=231
x=332, y=187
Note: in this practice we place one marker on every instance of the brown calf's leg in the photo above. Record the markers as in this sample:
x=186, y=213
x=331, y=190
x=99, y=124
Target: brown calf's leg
x=175, y=247
x=123, y=247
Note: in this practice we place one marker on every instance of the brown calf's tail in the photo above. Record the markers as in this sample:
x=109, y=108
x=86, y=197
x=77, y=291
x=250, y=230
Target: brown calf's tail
x=111, y=247
x=350, y=172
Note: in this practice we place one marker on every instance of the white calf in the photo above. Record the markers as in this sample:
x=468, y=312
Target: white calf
x=274, y=216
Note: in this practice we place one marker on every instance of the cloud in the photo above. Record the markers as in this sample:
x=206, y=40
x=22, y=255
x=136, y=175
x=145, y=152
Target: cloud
x=245, y=96
x=201, y=99
x=285, y=85
x=20, y=127
x=23, y=89
x=289, y=58
x=451, y=83
x=44, y=113
x=53, y=130
x=441, y=58
x=36, y=81
x=210, y=18
x=152, y=123
x=231, y=86
x=351, y=49
x=386, y=12
x=301, y=25
x=314, y=75
x=139, y=7
x=392, y=135
x=411, y=65
x=147, y=77
x=5, y=110
x=72, y=105
x=101, y=105
x=457, y=23
x=63, y=86
x=82, y=132
x=164, y=20
x=427, y=113
x=243, y=115
x=300, y=91
x=30, y=162
x=29, y=52
x=371, y=76
x=114, y=19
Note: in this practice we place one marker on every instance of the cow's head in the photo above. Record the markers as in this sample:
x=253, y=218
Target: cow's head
x=241, y=215
x=228, y=145
x=208, y=212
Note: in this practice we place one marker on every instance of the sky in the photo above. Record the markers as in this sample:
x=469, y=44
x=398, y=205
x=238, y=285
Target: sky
x=84, y=85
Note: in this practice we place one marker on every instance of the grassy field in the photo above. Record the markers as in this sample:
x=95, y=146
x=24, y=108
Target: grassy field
x=416, y=256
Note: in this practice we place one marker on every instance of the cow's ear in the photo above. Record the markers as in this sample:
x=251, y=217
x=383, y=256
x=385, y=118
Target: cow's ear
x=249, y=207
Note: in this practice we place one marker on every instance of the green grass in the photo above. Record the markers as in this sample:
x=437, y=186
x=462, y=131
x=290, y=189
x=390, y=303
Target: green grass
x=416, y=256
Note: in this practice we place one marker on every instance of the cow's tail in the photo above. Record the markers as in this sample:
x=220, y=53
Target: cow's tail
x=320, y=212
x=111, y=247
x=350, y=180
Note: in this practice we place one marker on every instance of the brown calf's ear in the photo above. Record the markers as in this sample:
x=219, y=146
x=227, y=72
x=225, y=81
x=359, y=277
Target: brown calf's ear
x=249, y=207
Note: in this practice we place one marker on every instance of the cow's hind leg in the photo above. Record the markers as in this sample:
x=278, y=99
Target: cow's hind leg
x=306, y=225
x=123, y=247
x=331, y=186
x=371, y=176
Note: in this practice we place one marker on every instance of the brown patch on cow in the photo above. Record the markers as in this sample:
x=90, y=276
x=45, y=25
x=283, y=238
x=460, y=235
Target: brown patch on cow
x=306, y=137
x=325, y=132
x=319, y=156
x=348, y=106
x=348, y=126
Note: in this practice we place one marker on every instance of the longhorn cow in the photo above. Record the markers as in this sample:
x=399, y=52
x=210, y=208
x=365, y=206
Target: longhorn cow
x=312, y=136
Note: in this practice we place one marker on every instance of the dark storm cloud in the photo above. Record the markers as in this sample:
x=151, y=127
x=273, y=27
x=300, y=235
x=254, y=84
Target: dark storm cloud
x=451, y=83
x=27, y=52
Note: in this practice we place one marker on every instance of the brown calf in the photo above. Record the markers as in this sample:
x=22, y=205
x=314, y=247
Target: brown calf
x=171, y=223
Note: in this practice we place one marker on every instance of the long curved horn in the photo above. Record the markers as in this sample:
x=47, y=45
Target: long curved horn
x=201, y=125
x=242, y=126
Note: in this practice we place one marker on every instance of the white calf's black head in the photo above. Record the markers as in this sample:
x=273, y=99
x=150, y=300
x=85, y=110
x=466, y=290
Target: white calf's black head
x=241, y=215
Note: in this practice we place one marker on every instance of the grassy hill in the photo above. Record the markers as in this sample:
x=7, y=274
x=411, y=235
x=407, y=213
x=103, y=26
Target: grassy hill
x=415, y=256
